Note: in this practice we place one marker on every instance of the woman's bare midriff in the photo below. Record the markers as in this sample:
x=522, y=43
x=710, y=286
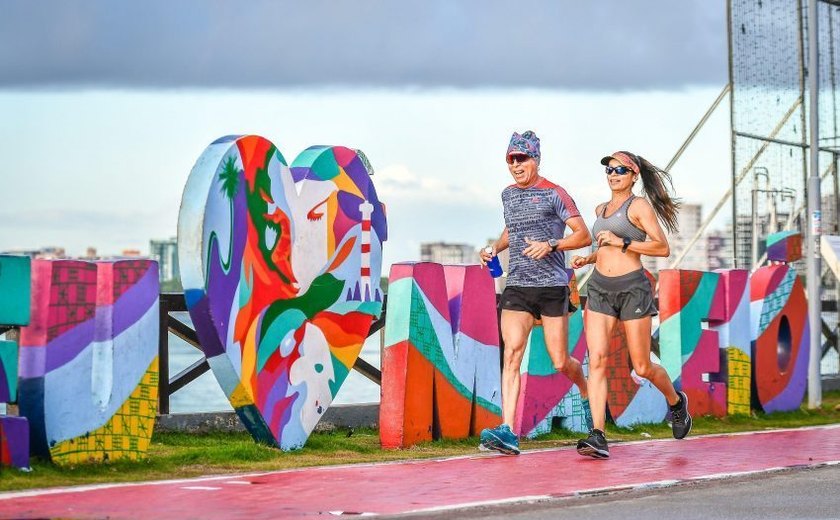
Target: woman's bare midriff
x=610, y=261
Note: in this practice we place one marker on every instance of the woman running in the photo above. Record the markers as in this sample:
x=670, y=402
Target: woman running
x=626, y=228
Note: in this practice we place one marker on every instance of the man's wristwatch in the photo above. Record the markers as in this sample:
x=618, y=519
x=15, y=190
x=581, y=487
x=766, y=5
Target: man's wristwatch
x=626, y=245
x=553, y=243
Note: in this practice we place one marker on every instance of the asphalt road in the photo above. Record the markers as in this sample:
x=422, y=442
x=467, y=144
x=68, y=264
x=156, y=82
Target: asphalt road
x=800, y=494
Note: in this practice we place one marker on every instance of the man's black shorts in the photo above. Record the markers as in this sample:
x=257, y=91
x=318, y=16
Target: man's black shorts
x=539, y=301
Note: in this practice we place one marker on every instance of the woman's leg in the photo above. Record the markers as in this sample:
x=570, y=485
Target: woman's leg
x=556, y=331
x=598, y=328
x=638, y=345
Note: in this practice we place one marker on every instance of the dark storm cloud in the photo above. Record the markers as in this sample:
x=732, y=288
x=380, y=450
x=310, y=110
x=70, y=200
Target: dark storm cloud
x=608, y=44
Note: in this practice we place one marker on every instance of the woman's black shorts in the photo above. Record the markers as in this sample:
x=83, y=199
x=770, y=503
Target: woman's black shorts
x=539, y=301
x=626, y=297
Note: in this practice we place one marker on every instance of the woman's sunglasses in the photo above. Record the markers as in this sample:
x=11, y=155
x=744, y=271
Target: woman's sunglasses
x=621, y=170
x=517, y=157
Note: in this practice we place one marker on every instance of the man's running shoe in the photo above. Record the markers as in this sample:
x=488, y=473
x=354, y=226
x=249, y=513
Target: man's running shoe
x=587, y=415
x=500, y=439
x=680, y=419
x=594, y=446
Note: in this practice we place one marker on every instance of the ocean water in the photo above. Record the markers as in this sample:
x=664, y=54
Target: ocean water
x=205, y=395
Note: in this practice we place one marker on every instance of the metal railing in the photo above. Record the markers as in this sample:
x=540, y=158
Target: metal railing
x=175, y=302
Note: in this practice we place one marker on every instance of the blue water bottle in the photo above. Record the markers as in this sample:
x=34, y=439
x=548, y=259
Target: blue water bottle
x=494, y=265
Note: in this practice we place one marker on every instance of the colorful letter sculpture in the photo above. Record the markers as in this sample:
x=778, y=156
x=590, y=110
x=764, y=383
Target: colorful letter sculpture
x=14, y=310
x=88, y=359
x=691, y=354
x=14, y=442
x=784, y=246
x=281, y=267
x=544, y=392
x=8, y=371
x=734, y=339
x=779, y=312
x=755, y=351
x=440, y=365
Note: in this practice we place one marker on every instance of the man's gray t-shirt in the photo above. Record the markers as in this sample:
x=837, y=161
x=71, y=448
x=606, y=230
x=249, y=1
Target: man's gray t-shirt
x=539, y=213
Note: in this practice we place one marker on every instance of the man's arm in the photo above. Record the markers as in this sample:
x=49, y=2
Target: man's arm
x=503, y=242
x=579, y=238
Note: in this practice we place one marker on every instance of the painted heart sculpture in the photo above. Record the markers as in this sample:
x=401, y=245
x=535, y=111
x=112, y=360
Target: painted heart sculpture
x=280, y=267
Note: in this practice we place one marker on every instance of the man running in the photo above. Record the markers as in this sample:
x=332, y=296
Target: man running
x=537, y=212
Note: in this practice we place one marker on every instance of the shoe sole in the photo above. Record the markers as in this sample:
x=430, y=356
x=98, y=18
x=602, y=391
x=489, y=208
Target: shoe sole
x=499, y=445
x=690, y=421
x=590, y=451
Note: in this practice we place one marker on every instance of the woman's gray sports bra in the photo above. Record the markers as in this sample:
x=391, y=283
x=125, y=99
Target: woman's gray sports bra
x=619, y=223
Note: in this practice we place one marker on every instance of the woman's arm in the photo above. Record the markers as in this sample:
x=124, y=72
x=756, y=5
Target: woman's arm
x=580, y=261
x=642, y=215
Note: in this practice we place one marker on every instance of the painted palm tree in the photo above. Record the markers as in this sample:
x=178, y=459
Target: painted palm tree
x=229, y=179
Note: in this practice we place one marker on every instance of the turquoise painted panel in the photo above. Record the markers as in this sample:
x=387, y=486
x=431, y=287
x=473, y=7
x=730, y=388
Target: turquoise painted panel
x=8, y=371
x=14, y=289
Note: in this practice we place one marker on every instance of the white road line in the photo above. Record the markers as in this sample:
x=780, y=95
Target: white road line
x=613, y=489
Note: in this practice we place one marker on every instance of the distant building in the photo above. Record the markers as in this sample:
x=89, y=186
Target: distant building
x=688, y=223
x=49, y=252
x=166, y=253
x=828, y=206
x=743, y=244
x=719, y=249
x=765, y=224
x=445, y=253
x=31, y=253
x=52, y=252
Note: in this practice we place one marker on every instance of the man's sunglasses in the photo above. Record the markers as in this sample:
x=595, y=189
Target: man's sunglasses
x=517, y=157
x=621, y=170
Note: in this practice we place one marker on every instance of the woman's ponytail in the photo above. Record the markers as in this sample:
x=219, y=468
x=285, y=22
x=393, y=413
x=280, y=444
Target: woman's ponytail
x=655, y=183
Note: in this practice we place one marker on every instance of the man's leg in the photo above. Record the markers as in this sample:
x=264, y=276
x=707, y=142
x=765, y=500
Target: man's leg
x=516, y=327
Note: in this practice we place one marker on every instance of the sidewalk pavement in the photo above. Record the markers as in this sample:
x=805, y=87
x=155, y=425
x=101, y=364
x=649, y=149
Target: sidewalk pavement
x=437, y=485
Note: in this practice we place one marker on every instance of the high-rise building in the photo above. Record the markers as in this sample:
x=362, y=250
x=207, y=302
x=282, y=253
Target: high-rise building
x=445, y=253
x=743, y=243
x=828, y=206
x=166, y=253
x=689, y=221
x=719, y=249
x=762, y=226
